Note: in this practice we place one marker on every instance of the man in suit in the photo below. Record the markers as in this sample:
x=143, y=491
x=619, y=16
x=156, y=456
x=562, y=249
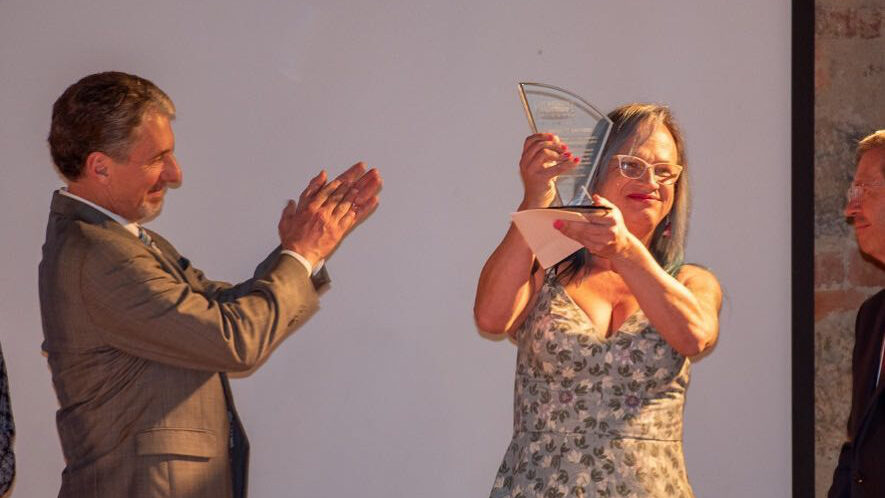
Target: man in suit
x=861, y=468
x=138, y=340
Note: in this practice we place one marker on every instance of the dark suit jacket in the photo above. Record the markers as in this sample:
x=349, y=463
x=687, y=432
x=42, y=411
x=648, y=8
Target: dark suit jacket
x=861, y=468
x=138, y=341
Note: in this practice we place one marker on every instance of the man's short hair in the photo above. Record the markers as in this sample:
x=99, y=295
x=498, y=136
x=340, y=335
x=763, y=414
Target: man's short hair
x=99, y=113
x=869, y=142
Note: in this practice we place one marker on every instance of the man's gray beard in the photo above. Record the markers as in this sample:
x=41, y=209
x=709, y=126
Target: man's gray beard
x=148, y=213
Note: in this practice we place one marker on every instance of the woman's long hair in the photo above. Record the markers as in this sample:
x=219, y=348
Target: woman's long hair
x=668, y=240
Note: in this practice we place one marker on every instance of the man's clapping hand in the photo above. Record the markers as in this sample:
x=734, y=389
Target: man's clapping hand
x=325, y=212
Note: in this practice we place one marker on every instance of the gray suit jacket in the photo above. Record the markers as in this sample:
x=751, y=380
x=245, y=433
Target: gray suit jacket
x=138, y=341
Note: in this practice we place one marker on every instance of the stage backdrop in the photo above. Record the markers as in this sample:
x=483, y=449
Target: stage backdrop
x=389, y=390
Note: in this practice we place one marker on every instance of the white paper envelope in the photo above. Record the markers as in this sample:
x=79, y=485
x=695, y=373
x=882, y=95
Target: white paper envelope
x=549, y=244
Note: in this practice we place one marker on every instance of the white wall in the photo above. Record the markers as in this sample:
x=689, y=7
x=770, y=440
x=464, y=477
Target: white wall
x=389, y=390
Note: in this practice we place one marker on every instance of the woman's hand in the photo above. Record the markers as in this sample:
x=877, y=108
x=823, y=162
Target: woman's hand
x=544, y=158
x=603, y=234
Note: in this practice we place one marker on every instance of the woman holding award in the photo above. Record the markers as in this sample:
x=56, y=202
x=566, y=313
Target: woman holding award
x=604, y=337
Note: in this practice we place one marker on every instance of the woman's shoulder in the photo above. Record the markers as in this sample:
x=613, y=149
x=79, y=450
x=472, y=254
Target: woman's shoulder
x=701, y=282
x=697, y=273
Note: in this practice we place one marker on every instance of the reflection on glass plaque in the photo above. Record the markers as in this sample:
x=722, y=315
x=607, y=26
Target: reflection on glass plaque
x=577, y=124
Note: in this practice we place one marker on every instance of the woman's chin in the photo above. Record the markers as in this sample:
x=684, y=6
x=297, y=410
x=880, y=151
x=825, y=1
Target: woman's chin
x=642, y=226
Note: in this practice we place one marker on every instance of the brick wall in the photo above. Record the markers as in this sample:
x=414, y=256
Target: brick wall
x=849, y=104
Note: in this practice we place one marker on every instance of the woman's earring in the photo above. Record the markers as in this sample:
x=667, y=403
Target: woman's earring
x=667, y=228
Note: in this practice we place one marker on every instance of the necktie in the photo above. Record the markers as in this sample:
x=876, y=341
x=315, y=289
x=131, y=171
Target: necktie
x=144, y=237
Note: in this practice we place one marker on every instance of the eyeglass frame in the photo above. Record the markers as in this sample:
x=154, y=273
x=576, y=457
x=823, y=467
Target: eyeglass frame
x=855, y=191
x=669, y=181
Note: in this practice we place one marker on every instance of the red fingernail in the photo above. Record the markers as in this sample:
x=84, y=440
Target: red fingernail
x=558, y=224
x=576, y=159
x=567, y=154
x=564, y=146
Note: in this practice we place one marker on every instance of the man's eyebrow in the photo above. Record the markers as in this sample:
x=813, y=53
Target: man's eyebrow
x=163, y=153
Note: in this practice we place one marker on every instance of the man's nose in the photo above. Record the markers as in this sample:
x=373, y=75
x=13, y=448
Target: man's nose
x=172, y=171
x=852, y=208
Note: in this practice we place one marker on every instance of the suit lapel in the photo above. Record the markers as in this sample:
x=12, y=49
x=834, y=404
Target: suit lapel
x=166, y=255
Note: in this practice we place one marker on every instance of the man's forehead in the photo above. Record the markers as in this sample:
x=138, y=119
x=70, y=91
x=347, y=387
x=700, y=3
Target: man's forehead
x=155, y=127
x=871, y=166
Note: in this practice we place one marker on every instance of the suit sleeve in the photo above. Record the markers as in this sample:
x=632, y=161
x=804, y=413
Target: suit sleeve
x=320, y=278
x=143, y=309
x=220, y=289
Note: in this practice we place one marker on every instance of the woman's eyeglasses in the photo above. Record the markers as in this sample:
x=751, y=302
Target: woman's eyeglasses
x=634, y=168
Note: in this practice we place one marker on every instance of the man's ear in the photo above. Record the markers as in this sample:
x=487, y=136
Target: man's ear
x=98, y=167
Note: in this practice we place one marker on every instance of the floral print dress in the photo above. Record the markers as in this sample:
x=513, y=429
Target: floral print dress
x=594, y=416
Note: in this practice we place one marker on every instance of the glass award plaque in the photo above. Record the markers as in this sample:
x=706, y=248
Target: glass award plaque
x=582, y=127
